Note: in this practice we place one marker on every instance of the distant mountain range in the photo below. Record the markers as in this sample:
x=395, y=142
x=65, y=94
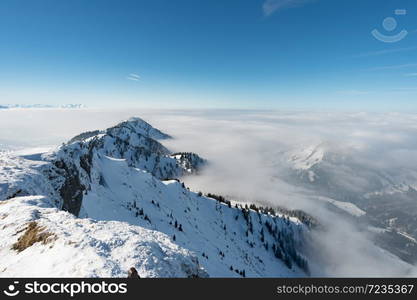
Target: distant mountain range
x=69, y=106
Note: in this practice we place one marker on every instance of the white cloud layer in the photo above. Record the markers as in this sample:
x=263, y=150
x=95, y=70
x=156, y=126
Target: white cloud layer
x=248, y=153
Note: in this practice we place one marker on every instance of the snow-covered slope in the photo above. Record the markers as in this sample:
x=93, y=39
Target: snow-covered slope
x=83, y=247
x=384, y=197
x=128, y=216
x=343, y=170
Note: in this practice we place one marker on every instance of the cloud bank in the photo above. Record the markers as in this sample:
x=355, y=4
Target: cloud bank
x=250, y=154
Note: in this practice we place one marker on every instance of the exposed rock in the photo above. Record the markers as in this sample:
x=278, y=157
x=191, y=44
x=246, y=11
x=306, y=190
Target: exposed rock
x=132, y=273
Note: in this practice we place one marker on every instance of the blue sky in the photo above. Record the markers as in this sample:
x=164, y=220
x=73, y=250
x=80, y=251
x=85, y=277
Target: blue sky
x=283, y=54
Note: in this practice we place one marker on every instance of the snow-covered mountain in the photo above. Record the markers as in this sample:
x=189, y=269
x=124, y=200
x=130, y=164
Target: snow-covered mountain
x=110, y=200
x=384, y=198
x=65, y=173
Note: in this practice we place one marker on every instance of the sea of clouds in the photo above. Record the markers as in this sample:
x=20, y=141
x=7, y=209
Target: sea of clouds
x=247, y=154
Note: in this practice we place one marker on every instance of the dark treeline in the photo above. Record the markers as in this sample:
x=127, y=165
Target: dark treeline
x=305, y=218
x=283, y=240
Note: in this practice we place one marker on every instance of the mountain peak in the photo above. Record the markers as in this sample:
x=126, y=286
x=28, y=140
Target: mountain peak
x=133, y=141
x=132, y=126
x=139, y=126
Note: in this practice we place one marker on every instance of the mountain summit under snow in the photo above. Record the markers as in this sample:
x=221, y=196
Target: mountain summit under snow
x=109, y=200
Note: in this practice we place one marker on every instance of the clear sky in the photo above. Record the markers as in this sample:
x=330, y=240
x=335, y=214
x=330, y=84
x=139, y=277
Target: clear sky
x=282, y=54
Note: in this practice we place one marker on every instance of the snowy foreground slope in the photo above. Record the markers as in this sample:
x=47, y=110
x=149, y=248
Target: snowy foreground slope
x=109, y=200
x=85, y=248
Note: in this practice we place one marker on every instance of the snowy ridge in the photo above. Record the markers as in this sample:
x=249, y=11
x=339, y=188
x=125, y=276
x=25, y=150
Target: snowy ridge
x=125, y=129
x=65, y=171
x=136, y=141
x=330, y=162
x=128, y=217
x=306, y=158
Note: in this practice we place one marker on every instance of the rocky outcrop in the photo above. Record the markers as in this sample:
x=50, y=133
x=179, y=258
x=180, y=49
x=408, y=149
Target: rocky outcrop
x=132, y=273
x=71, y=190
